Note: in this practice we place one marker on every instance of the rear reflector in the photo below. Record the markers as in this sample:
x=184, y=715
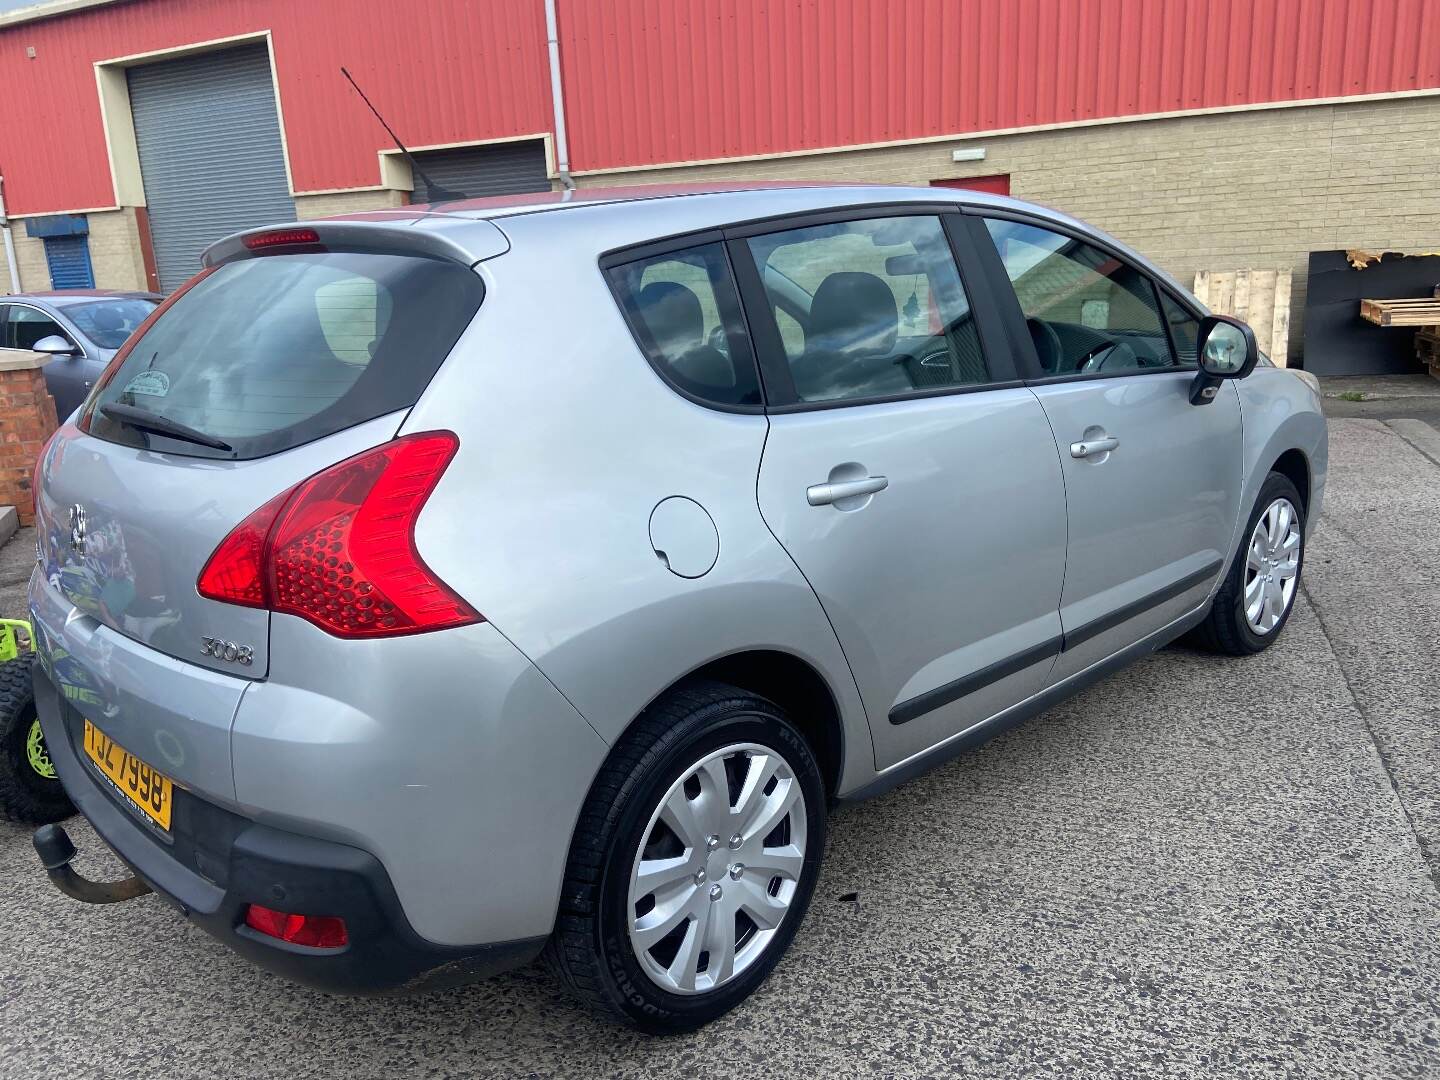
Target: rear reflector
x=316, y=931
x=338, y=549
x=281, y=238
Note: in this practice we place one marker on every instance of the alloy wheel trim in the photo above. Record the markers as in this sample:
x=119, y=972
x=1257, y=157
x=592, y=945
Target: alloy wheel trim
x=36, y=753
x=1272, y=566
x=701, y=889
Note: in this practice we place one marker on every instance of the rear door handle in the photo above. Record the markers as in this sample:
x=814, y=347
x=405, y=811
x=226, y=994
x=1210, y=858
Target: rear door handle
x=1091, y=447
x=824, y=494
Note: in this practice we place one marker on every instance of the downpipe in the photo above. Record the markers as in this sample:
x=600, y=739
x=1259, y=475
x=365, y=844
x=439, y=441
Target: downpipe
x=56, y=849
x=557, y=98
x=10, y=260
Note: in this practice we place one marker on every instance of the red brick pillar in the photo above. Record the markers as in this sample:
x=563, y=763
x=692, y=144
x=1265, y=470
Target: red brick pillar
x=27, y=419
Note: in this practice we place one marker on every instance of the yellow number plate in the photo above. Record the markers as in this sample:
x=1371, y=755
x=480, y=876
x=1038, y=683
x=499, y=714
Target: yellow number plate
x=138, y=782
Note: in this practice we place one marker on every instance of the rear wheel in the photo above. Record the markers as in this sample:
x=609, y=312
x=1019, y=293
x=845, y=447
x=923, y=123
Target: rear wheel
x=30, y=791
x=693, y=861
x=1258, y=594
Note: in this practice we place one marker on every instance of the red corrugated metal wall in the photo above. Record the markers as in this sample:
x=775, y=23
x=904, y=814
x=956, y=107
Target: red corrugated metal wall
x=467, y=70
x=655, y=81
x=689, y=80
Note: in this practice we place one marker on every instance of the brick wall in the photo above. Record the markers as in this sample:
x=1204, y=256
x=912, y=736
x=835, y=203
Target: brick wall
x=1241, y=190
x=27, y=419
x=30, y=258
x=115, y=250
x=346, y=202
x=115, y=256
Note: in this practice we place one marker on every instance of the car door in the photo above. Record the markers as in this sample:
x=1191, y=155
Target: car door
x=907, y=471
x=1152, y=482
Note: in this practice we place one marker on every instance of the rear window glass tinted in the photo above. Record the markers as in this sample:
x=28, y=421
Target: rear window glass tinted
x=272, y=352
x=685, y=314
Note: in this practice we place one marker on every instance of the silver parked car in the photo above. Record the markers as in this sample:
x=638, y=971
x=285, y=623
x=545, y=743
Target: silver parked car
x=430, y=589
x=81, y=329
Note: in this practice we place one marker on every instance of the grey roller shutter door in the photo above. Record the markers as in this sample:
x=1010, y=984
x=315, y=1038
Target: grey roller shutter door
x=210, y=153
x=476, y=171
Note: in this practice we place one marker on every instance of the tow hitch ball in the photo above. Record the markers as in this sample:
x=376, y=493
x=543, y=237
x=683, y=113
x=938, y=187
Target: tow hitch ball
x=55, y=848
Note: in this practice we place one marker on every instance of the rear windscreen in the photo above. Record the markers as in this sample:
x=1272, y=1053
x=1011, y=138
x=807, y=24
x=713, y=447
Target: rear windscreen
x=268, y=353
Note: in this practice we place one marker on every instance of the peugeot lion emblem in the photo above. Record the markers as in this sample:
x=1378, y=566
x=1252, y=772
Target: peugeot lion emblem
x=77, y=528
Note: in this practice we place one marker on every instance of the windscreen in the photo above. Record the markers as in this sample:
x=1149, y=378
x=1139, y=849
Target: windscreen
x=109, y=322
x=267, y=353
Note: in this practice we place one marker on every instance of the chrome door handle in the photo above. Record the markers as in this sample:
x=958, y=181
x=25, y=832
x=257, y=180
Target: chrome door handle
x=1093, y=446
x=824, y=494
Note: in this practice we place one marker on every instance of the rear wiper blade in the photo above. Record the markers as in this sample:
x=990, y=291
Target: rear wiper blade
x=146, y=420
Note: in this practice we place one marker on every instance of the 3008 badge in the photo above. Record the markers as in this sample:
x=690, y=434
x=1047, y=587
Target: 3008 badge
x=227, y=650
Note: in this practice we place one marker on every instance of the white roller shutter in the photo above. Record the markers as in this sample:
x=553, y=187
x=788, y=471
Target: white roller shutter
x=210, y=153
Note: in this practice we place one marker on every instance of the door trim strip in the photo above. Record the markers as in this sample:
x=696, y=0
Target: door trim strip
x=1094, y=627
x=930, y=700
x=917, y=706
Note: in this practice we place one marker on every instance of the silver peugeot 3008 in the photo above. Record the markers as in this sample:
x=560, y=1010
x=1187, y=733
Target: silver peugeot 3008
x=427, y=590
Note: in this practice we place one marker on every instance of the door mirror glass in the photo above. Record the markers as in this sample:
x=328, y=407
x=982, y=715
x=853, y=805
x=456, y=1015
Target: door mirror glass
x=55, y=345
x=1227, y=348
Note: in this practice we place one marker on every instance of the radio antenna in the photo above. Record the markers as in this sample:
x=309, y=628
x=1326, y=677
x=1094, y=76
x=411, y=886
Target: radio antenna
x=436, y=191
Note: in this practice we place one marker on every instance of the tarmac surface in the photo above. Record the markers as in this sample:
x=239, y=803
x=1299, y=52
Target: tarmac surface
x=1202, y=867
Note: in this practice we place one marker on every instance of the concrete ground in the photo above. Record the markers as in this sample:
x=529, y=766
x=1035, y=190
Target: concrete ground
x=1382, y=397
x=1199, y=868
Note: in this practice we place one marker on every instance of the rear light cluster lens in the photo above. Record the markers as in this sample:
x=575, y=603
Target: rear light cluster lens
x=280, y=238
x=338, y=549
x=316, y=931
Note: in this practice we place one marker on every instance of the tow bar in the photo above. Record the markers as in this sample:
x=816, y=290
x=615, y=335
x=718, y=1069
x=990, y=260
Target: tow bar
x=56, y=849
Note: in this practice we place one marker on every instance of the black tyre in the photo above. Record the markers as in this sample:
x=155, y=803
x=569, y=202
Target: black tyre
x=665, y=921
x=1257, y=596
x=29, y=790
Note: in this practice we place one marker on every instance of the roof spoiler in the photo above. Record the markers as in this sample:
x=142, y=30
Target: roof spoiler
x=462, y=240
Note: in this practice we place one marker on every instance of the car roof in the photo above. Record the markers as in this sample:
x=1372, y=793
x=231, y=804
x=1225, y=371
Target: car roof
x=59, y=298
x=590, y=221
x=704, y=198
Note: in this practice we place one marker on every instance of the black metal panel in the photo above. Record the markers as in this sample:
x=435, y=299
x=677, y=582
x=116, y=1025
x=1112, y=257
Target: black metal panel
x=1337, y=340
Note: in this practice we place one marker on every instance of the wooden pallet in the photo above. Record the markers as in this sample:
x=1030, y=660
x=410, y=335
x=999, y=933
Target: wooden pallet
x=1427, y=348
x=1259, y=297
x=1424, y=311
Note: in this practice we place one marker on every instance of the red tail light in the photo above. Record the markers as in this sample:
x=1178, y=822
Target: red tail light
x=280, y=238
x=338, y=549
x=316, y=931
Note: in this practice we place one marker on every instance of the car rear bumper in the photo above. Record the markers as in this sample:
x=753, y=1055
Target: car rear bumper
x=216, y=863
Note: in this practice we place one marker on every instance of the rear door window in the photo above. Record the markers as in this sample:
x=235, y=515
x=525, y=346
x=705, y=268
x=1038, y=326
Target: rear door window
x=272, y=352
x=869, y=309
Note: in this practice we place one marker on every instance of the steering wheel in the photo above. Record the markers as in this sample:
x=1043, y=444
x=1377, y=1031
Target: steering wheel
x=1095, y=358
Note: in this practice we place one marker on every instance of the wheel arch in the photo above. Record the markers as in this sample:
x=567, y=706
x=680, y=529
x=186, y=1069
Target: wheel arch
x=1295, y=467
x=792, y=683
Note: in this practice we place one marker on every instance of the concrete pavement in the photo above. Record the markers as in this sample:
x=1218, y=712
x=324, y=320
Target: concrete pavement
x=1201, y=867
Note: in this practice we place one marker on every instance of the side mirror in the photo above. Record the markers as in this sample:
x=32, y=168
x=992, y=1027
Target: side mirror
x=55, y=345
x=1226, y=349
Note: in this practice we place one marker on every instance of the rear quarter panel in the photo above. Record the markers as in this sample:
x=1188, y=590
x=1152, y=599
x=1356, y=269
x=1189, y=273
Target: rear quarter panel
x=568, y=440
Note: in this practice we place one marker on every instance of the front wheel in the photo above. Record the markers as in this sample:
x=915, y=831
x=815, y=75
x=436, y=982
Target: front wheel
x=1258, y=594
x=693, y=862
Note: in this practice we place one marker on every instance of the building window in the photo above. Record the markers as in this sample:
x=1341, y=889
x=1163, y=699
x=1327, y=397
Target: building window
x=67, y=249
x=69, y=260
